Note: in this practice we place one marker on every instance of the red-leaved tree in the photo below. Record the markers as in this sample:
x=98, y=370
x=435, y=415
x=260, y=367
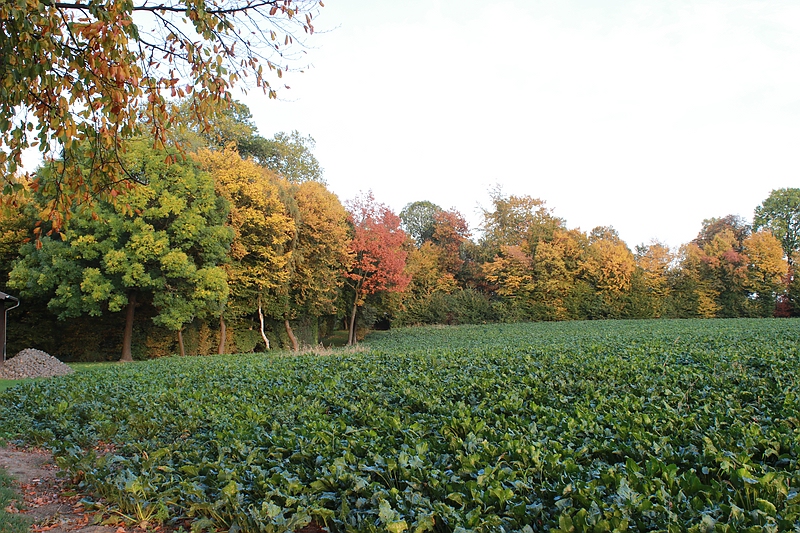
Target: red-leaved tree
x=379, y=258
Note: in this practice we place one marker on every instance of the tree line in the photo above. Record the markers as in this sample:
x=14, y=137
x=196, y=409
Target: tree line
x=529, y=265
x=235, y=244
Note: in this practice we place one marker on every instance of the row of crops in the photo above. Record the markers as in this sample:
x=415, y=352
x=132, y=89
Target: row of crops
x=601, y=426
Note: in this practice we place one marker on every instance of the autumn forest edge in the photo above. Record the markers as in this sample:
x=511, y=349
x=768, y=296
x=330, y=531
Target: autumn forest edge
x=236, y=245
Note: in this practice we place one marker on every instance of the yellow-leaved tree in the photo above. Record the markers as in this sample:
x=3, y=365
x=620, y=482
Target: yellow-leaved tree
x=263, y=231
x=609, y=267
x=655, y=259
x=651, y=280
x=556, y=267
x=767, y=271
x=511, y=273
x=424, y=265
x=317, y=257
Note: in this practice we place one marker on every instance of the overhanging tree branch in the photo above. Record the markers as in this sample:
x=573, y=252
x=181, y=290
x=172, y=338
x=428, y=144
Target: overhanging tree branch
x=163, y=8
x=78, y=72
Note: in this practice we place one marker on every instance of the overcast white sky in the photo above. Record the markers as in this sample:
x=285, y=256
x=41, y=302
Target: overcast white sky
x=648, y=116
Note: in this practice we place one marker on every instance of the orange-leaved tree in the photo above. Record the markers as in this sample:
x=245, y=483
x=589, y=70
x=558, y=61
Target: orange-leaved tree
x=378, y=252
x=318, y=257
x=450, y=230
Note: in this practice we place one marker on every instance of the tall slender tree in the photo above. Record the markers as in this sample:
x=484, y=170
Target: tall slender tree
x=766, y=272
x=608, y=267
x=650, y=282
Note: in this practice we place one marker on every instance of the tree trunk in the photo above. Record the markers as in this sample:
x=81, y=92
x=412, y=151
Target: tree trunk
x=180, y=343
x=222, y=333
x=127, y=356
x=261, y=322
x=295, y=346
x=351, y=338
x=3, y=331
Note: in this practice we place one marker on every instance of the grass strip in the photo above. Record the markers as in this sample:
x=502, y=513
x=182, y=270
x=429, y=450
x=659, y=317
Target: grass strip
x=10, y=522
x=8, y=383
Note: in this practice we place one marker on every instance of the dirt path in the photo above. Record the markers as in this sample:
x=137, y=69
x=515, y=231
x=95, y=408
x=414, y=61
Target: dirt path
x=49, y=501
x=52, y=503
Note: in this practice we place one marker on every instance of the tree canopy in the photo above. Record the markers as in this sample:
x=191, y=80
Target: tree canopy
x=518, y=221
x=418, y=219
x=101, y=71
x=262, y=231
x=318, y=257
x=780, y=212
x=378, y=254
x=163, y=242
x=289, y=155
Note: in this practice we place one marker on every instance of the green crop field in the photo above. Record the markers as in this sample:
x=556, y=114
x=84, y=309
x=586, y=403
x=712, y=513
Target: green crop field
x=580, y=426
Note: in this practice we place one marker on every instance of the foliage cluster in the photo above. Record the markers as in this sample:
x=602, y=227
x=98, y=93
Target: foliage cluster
x=573, y=426
x=528, y=265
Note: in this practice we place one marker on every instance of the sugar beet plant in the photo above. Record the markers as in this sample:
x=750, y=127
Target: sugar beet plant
x=604, y=426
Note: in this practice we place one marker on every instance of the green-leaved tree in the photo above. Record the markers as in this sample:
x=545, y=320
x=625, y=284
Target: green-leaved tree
x=780, y=213
x=163, y=242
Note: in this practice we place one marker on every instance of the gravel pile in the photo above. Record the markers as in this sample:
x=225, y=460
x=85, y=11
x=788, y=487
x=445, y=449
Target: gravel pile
x=31, y=363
